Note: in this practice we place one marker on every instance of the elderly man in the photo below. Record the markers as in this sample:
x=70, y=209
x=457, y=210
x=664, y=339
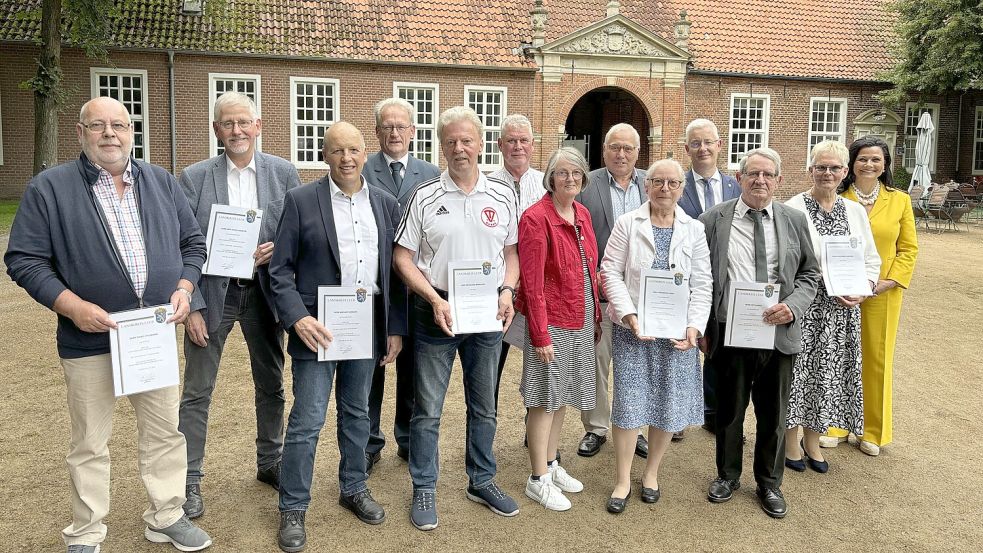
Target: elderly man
x=616, y=189
x=517, y=145
x=241, y=177
x=753, y=239
x=334, y=231
x=461, y=216
x=102, y=234
x=705, y=188
x=395, y=170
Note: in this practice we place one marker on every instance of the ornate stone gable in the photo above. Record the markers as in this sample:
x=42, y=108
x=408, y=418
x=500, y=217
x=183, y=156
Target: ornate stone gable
x=615, y=39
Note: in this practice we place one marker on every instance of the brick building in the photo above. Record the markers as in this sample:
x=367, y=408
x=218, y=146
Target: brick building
x=782, y=74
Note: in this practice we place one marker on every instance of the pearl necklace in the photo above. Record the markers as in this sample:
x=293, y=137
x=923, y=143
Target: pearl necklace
x=868, y=199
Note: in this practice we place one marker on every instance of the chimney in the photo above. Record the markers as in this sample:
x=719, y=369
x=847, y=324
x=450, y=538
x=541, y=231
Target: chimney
x=192, y=7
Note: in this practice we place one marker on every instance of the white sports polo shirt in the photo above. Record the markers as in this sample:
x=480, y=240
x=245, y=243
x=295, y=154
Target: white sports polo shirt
x=443, y=224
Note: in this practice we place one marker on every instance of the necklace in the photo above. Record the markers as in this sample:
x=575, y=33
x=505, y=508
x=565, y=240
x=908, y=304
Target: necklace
x=868, y=199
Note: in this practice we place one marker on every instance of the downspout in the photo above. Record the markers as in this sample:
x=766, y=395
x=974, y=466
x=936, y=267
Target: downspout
x=170, y=92
x=959, y=134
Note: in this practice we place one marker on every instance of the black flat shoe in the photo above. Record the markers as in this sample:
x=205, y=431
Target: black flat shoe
x=590, y=444
x=649, y=495
x=772, y=502
x=819, y=466
x=617, y=505
x=642, y=447
x=798, y=465
x=722, y=490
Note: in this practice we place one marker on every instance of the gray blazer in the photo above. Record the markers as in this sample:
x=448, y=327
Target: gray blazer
x=597, y=199
x=798, y=268
x=378, y=174
x=206, y=183
x=690, y=200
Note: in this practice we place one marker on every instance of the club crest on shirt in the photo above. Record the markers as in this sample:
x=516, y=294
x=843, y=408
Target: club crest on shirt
x=489, y=217
x=250, y=216
x=678, y=279
x=486, y=268
x=160, y=315
x=769, y=291
x=854, y=242
x=360, y=295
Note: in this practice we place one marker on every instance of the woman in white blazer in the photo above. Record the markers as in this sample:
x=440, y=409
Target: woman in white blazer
x=826, y=378
x=657, y=382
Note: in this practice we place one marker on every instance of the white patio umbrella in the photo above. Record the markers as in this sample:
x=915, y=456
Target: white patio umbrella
x=923, y=154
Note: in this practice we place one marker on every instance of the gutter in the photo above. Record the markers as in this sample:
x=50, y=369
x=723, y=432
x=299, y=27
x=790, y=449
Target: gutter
x=173, y=114
x=786, y=77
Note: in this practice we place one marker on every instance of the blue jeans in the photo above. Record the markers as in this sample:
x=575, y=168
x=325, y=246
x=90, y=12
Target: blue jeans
x=312, y=387
x=434, y=361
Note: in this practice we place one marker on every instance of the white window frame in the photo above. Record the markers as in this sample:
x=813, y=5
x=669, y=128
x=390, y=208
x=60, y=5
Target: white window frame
x=494, y=157
x=838, y=136
x=432, y=127
x=144, y=118
x=913, y=138
x=212, y=79
x=294, y=122
x=765, y=123
x=978, y=140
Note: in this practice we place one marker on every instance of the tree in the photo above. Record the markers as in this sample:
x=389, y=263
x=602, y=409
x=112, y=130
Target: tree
x=939, y=48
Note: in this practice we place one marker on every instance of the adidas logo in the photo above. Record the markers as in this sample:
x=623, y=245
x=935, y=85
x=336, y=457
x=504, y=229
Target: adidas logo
x=443, y=211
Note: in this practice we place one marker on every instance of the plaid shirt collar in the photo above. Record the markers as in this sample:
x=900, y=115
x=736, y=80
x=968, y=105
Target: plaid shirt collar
x=92, y=171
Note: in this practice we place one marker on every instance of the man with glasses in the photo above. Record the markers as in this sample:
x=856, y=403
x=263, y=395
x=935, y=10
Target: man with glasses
x=102, y=234
x=241, y=177
x=705, y=188
x=754, y=239
x=614, y=190
x=398, y=172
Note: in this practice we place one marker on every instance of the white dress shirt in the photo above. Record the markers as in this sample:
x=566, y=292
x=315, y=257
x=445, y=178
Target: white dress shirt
x=242, y=184
x=740, y=251
x=405, y=160
x=716, y=185
x=358, y=237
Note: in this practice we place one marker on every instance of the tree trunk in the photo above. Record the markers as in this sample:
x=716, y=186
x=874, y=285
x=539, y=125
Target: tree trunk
x=46, y=88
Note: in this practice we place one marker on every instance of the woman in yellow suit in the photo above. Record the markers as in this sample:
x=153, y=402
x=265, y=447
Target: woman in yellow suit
x=893, y=225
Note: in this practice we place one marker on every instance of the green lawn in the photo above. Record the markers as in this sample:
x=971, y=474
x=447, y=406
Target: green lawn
x=7, y=209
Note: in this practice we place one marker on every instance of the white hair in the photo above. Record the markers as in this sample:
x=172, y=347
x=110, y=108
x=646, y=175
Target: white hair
x=702, y=124
x=517, y=121
x=623, y=127
x=234, y=99
x=457, y=114
x=394, y=102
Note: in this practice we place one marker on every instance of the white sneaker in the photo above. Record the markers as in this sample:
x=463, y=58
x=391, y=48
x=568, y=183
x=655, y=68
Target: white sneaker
x=561, y=479
x=870, y=448
x=545, y=492
x=831, y=441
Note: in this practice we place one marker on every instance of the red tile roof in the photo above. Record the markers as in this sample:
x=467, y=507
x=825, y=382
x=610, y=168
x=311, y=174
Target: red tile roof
x=840, y=39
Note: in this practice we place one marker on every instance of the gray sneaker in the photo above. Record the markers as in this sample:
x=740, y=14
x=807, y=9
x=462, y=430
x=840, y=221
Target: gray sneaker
x=423, y=515
x=495, y=499
x=183, y=535
x=79, y=548
x=194, y=505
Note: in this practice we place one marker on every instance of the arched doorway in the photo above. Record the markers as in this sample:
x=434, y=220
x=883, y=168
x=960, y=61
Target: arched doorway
x=595, y=113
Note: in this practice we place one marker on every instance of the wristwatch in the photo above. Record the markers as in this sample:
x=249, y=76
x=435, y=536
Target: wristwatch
x=506, y=287
x=179, y=289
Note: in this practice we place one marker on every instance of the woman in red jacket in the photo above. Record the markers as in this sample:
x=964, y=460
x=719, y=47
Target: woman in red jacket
x=558, y=296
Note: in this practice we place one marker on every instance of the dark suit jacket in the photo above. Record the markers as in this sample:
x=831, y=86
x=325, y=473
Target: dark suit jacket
x=597, y=199
x=798, y=268
x=377, y=172
x=305, y=256
x=206, y=183
x=690, y=200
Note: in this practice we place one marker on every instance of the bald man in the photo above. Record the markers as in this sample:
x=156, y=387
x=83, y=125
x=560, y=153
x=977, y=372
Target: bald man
x=94, y=236
x=335, y=231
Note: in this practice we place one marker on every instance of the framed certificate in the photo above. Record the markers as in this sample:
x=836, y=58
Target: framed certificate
x=473, y=294
x=844, y=270
x=233, y=233
x=746, y=304
x=663, y=301
x=143, y=348
x=346, y=311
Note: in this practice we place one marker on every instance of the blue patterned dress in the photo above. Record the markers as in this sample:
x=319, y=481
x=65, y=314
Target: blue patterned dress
x=654, y=383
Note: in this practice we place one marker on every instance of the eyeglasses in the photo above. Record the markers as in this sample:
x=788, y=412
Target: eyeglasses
x=827, y=168
x=626, y=148
x=577, y=174
x=244, y=124
x=516, y=141
x=100, y=126
x=673, y=184
x=766, y=175
x=695, y=144
x=390, y=128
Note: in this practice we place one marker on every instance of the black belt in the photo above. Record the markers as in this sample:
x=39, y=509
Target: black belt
x=244, y=282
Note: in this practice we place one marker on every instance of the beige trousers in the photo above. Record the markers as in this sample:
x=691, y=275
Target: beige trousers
x=598, y=419
x=161, y=449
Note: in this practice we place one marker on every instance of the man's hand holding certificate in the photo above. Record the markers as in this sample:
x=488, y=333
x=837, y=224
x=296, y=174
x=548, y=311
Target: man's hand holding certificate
x=143, y=347
x=844, y=272
x=233, y=233
x=751, y=317
x=473, y=296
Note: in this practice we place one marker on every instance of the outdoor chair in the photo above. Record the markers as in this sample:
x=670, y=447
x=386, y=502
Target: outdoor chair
x=918, y=205
x=958, y=207
x=938, y=209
